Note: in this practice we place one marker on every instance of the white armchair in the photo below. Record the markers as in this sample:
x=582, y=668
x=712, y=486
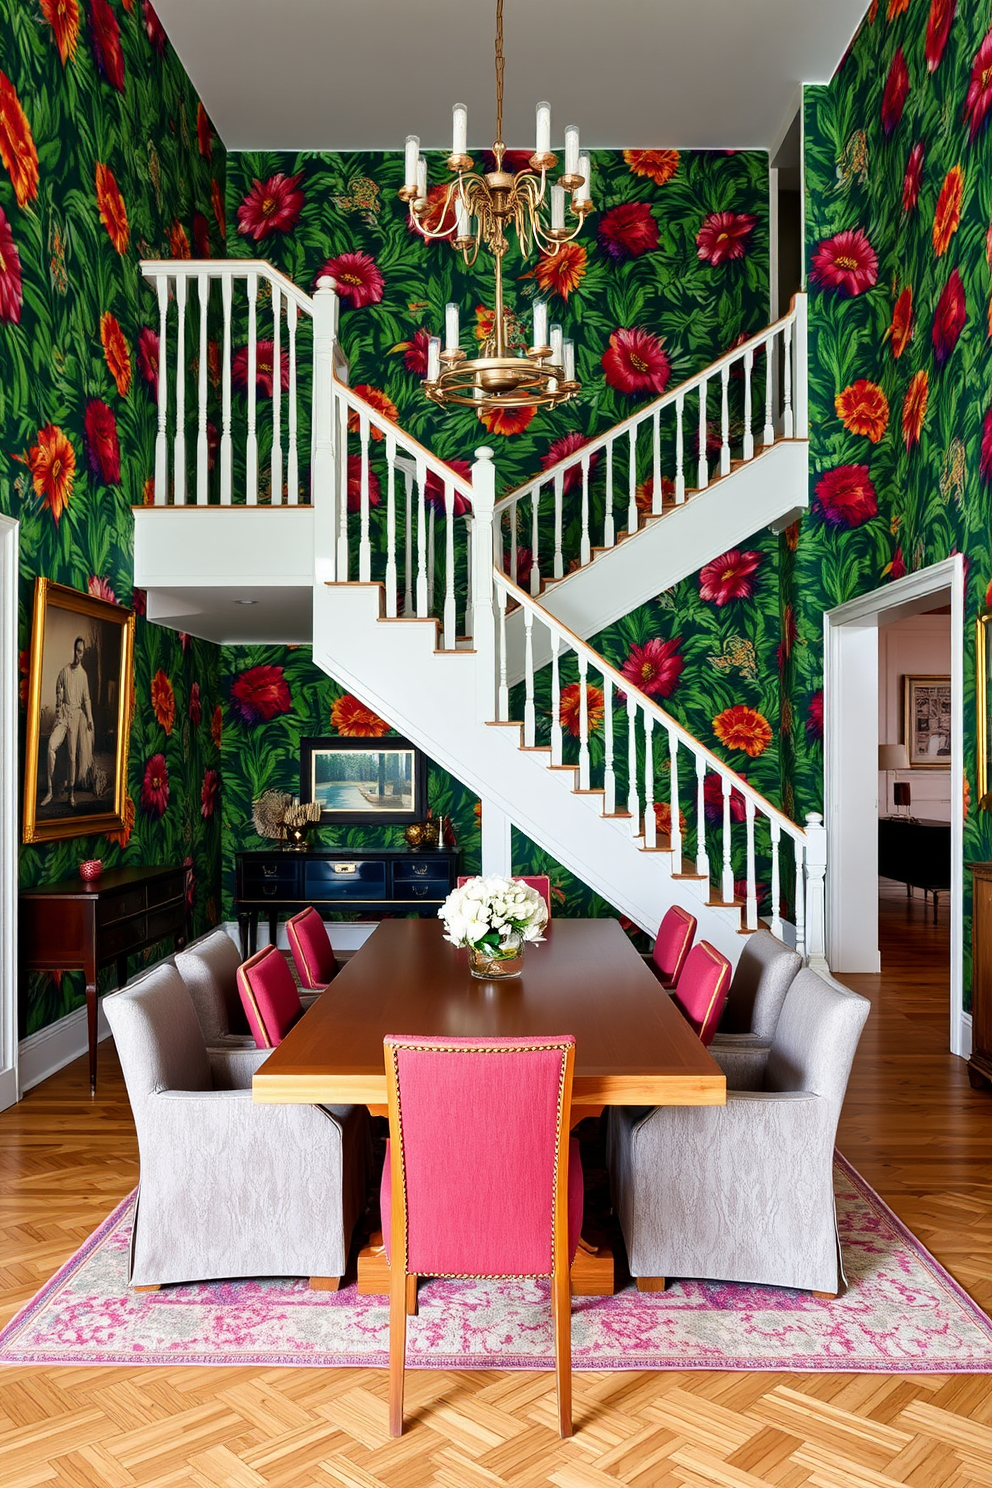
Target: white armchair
x=209, y=967
x=763, y=975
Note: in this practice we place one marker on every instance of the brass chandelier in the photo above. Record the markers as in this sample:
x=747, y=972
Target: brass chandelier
x=485, y=208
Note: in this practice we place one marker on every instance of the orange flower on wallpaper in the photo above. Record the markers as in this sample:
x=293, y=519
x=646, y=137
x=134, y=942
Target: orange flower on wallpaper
x=116, y=351
x=163, y=700
x=113, y=213
x=663, y=818
x=63, y=17
x=178, y=240
x=217, y=725
x=658, y=165
x=863, y=408
x=17, y=148
x=570, y=703
x=217, y=202
x=380, y=401
x=742, y=727
x=896, y=8
x=563, y=272
x=901, y=328
x=947, y=214
x=506, y=420
x=355, y=721
x=123, y=837
x=52, y=463
x=914, y=407
x=148, y=491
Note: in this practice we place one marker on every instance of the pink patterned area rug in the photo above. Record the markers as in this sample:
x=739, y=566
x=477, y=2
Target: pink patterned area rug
x=902, y=1313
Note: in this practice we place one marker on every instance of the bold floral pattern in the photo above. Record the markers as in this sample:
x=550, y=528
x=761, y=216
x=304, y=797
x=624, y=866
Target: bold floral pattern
x=570, y=708
x=11, y=292
x=155, y=786
x=17, y=147
x=731, y=576
x=742, y=727
x=163, y=701
x=723, y=236
x=271, y=206
x=260, y=693
x=636, y=362
x=863, y=408
x=52, y=462
x=354, y=720
x=627, y=231
x=655, y=667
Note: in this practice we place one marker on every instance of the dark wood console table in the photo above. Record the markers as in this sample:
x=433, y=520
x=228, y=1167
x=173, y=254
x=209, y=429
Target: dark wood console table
x=383, y=880
x=75, y=926
x=916, y=853
x=980, y=1063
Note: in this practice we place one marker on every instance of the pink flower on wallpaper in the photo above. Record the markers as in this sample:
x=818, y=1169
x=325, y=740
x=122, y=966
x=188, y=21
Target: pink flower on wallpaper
x=636, y=362
x=939, y=23
x=148, y=357
x=846, y=496
x=655, y=667
x=896, y=568
x=100, y=589
x=525, y=562
x=260, y=693
x=985, y=456
x=195, y=705
x=264, y=352
x=913, y=177
x=155, y=786
x=154, y=29
x=11, y=293
x=949, y=318
x=415, y=352
x=978, y=101
x=728, y=577
x=271, y=206
x=355, y=485
x=102, y=446
x=814, y=716
x=569, y=444
x=713, y=801
x=106, y=39
x=208, y=793
x=723, y=236
x=845, y=263
x=896, y=92
x=357, y=277
x=627, y=231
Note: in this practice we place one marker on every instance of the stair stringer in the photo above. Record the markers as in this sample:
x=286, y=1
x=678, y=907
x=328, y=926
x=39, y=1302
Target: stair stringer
x=771, y=488
x=430, y=697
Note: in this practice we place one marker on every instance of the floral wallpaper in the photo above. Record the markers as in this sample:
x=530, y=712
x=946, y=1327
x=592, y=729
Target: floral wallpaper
x=106, y=157
x=899, y=226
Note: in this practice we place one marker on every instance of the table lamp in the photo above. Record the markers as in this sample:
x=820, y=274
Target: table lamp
x=895, y=757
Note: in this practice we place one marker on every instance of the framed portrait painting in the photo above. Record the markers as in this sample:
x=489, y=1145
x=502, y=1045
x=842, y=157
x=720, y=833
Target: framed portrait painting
x=79, y=715
x=361, y=781
x=927, y=703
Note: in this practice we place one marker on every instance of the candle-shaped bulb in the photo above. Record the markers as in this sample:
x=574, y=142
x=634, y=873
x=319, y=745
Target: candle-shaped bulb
x=412, y=156
x=568, y=360
x=557, y=208
x=540, y=322
x=451, y=327
x=581, y=192
x=463, y=224
x=543, y=146
x=433, y=359
x=421, y=178
x=572, y=150
x=556, y=345
x=459, y=129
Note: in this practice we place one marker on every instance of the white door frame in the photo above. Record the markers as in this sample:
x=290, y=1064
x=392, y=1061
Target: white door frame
x=850, y=750
x=9, y=569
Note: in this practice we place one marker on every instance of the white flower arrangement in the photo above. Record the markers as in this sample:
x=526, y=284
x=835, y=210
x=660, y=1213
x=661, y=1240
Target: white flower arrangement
x=493, y=914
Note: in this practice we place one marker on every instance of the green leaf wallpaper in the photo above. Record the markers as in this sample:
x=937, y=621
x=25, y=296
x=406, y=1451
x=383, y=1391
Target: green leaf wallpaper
x=107, y=157
x=899, y=235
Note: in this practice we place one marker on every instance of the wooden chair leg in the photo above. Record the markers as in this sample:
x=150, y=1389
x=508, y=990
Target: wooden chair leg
x=561, y=1312
x=397, y=1347
x=411, y=1297
x=156, y=1287
x=826, y=1296
x=651, y=1283
x=324, y=1283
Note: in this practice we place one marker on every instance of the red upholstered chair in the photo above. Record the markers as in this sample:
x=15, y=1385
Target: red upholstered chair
x=481, y=1178
x=539, y=881
x=671, y=945
x=311, y=948
x=269, y=996
x=702, y=989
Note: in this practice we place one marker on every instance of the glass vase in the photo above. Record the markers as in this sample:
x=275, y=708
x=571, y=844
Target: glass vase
x=493, y=966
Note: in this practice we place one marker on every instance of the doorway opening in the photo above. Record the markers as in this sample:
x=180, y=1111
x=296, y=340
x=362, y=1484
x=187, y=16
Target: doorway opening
x=9, y=530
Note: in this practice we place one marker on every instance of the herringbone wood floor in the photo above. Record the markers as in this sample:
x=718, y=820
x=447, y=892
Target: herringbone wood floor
x=912, y=1125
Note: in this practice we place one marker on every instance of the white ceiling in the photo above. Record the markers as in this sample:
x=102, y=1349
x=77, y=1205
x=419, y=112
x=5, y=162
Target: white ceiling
x=361, y=75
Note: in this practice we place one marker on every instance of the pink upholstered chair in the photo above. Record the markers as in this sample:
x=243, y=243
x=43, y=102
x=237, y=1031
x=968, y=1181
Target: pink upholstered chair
x=269, y=997
x=671, y=945
x=539, y=881
x=480, y=1179
x=702, y=989
x=311, y=948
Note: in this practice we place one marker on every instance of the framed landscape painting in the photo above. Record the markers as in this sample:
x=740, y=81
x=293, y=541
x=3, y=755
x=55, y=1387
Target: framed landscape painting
x=79, y=715
x=360, y=781
x=927, y=701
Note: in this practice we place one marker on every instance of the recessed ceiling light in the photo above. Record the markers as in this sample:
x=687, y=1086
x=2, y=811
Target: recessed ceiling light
x=246, y=601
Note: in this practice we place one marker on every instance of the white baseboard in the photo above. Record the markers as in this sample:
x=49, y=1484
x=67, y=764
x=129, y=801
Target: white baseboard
x=964, y=1037
x=347, y=935
x=50, y=1049
x=8, y=1089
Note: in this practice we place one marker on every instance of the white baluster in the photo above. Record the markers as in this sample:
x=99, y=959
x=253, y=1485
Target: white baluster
x=480, y=585
x=251, y=447
x=275, y=454
x=800, y=381
x=161, y=438
x=529, y=718
x=364, y=542
x=609, y=524
x=787, y=425
x=556, y=733
x=650, y=818
x=559, y=568
x=703, y=473
x=702, y=857
x=609, y=775
x=179, y=438
x=768, y=437
x=632, y=514
x=583, y=721
x=656, y=491
x=585, y=545
x=776, y=920
x=431, y=555
x=727, y=886
x=450, y=619
x=751, y=907
x=748, y=450
x=800, y=900
x=503, y=704
x=423, y=606
x=513, y=542
x=725, y=421
x=408, y=545
x=469, y=569
x=292, y=456
x=816, y=868
x=673, y=801
x=391, y=526
x=679, y=449
x=202, y=449
x=344, y=557
x=226, y=452
x=535, y=570
x=633, y=800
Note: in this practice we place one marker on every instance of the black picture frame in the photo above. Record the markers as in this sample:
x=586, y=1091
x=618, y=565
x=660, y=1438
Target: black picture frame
x=389, y=764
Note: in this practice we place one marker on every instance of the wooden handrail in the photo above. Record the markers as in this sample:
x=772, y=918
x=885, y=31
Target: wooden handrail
x=406, y=441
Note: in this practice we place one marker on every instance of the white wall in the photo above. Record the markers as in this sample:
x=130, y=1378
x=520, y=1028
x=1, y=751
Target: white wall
x=917, y=645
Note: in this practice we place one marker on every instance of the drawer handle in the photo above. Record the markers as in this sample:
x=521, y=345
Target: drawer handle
x=270, y=890
x=420, y=891
x=344, y=867
x=269, y=870
x=420, y=869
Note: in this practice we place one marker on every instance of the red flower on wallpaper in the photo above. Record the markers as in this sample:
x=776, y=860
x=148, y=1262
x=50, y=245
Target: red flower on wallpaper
x=106, y=40
x=17, y=147
x=914, y=407
x=415, y=352
x=901, y=329
x=506, y=420
x=723, y=236
x=846, y=496
x=11, y=288
x=985, y=455
x=116, y=352
x=100, y=589
x=113, y=213
x=271, y=206
x=570, y=703
x=204, y=132
x=939, y=23
x=380, y=401
x=178, y=241
x=863, y=408
x=217, y=724
x=636, y=362
x=434, y=489
x=201, y=235
x=148, y=357
x=561, y=272
x=979, y=97
x=513, y=161
x=814, y=716
x=103, y=449
x=949, y=318
x=560, y=449
x=434, y=217
x=355, y=485
x=154, y=29
x=896, y=567
x=163, y=700
x=155, y=786
x=846, y=263
x=139, y=601
x=355, y=721
x=913, y=177
x=743, y=727
x=644, y=494
x=713, y=800
x=195, y=706
x=63, y=17
x=525, y=562
x=655, y=667
x=217, y=202
x=258, y=694
x=729, y=577
x=947, y=214
x=627, y=231
x=896, y=92
x=357, y=277
x=658, y=165
x=208, y=793
x=264, y=353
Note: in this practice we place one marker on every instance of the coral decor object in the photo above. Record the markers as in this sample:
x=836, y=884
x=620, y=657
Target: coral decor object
x=494, y=918
x=90, y=870
x=285, y=818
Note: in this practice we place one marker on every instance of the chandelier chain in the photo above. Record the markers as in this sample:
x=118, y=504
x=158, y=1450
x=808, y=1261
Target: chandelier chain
x=499, y=71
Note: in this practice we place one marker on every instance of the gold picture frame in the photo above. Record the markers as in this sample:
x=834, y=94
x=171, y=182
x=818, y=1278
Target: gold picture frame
x=927, y=721
x=79, y=715
x=983, y=691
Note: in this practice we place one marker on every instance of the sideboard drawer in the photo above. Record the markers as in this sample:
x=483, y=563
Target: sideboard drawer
x=130, y=935
x=346, y=879
x=164, y=890
x=407, y=869
x=166, y=919
x=120, y=906
x=273, y=879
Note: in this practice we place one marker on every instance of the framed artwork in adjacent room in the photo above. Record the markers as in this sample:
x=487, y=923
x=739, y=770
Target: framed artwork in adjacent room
x=361, y=781
x=927, y=703
x=79, y=715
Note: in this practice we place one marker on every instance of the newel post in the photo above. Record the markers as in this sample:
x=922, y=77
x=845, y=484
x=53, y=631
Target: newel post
x=800, y=380
x=323, y=485
x=816, y=870
x=483, y=619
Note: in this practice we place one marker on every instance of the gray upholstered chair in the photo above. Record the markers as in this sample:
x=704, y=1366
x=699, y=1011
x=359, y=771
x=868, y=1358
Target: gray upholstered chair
x=764, y=974
x=209, y=967
x=744, y=1192
x=228, y=1187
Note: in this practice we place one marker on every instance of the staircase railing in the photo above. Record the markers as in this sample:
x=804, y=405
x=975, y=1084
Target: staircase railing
x=626, y=765
x=648, y=460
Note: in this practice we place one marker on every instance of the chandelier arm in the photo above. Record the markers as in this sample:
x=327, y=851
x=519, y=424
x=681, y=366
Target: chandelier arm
x=549, y=245
x=426, y=232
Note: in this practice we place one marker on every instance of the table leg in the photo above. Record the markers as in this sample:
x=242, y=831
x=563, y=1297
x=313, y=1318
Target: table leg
x=273, y=927
x=89, y=971
x=244, y=932
x=121, y=970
